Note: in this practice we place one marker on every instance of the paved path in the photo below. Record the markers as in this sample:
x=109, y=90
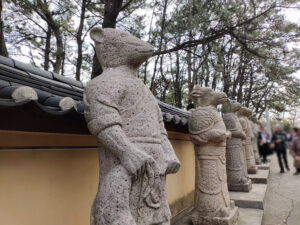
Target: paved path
x=283, y=196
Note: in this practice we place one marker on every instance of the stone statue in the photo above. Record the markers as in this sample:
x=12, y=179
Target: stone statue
x=236, y=166
x=208, y=132
x=243, y=115
x=135, y=154
x=255, y=130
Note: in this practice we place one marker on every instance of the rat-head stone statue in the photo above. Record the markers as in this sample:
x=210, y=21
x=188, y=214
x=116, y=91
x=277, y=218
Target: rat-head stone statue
x=135, y=153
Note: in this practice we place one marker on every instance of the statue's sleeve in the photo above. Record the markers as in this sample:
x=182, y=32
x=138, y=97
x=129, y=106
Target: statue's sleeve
x=101, y=108
x=243, y=124
x=201, y=128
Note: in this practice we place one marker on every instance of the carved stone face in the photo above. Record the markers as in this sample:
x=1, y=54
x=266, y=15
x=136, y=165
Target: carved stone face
x=244, y=112
x=115, y=48
x=204, y=96
x=231, y=106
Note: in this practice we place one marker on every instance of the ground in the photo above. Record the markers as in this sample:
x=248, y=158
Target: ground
x=283, y=196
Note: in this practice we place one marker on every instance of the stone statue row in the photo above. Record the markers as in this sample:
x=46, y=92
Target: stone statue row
x=135, y=154
x=225, y=151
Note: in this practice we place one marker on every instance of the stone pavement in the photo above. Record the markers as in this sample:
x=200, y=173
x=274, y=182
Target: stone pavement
x=283, y=196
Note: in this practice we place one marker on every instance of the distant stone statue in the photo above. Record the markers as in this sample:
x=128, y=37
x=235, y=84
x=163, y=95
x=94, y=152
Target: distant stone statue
x=208, y=132
x=236, y=166
x=135, y=153
x=255, y=130
x=243, y=115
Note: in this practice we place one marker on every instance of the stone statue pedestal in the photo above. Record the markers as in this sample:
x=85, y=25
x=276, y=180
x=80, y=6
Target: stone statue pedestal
x=246, y=187
x=215, y=220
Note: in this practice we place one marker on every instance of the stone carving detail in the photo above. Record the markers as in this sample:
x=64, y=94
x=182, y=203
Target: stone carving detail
x=255, y=130
x=243, y=115
x=237, y=175
x=135, y=153
x=208, y=133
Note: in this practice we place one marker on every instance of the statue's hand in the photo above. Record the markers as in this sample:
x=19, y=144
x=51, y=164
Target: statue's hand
x=243, y=136
x=196, y=139
x=218, y=135
x=137, y=162
x=173, y=166
x=228, y=134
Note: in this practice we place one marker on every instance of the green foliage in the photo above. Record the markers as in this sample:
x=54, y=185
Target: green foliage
x=247, y=49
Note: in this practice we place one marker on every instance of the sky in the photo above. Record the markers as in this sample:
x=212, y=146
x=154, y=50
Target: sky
x=293, y=15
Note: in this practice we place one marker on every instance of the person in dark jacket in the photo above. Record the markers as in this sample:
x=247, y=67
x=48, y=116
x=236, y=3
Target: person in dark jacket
x=263, y=143
x=278, y=140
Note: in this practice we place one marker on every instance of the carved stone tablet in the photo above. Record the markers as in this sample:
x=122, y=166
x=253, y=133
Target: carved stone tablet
x=237, y=175
x=212, y=203
x=135, y=153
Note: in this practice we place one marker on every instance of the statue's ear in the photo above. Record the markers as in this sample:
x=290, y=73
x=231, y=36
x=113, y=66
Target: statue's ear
x=97, y=34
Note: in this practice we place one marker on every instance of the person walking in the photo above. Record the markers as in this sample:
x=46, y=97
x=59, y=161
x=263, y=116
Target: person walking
x=295, y=150
x=278, y=141
x=263, y=143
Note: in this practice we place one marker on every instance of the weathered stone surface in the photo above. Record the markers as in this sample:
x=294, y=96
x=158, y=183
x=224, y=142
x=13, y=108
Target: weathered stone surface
x=254, y=139
x=247, y=216
x=254, y=199
x=237, y=175
x=136, y=154
x=243, y=115
x=265, y=166
x=250, y=216
x=261, y=177
x=208, y=133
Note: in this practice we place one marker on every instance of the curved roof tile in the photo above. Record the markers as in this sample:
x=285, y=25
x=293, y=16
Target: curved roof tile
x=51, y=88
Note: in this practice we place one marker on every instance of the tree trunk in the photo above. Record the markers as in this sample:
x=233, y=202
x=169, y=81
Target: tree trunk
x=47, y=49
x=177, y=83
x=79, y=39
x=3, y=49
x=161, y=36
x=111, y=13
x=59, y=50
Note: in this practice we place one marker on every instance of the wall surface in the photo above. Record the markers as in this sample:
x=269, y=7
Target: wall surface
x=57, y=187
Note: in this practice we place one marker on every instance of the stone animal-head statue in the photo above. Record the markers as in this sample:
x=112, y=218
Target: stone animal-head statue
x=205, y=96
x=116, y=48
x=244, y=111
x=231, y=106
x=253, y=118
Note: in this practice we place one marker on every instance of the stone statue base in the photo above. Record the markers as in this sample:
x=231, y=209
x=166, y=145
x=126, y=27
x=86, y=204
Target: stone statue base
x=252, y=170
x=241, y=187
x=232, y=219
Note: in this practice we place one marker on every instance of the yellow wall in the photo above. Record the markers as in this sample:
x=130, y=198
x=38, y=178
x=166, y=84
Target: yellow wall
x=57, y=187
x=181, y=186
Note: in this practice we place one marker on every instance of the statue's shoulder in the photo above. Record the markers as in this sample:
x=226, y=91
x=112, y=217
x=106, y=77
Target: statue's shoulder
x=107, y=83
x=201, y=120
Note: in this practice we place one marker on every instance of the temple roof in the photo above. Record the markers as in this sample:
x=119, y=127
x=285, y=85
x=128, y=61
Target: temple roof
x=53, y=103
